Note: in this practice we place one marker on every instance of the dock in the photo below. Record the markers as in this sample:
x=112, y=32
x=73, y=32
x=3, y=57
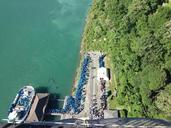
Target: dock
x=92, y=97
x=65, y=116
x=93, y=101
x=36, y=113
x=38, y=107
x=59, y=114
x=62, y=116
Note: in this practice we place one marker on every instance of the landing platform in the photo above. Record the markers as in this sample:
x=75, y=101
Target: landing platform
x=38, y=108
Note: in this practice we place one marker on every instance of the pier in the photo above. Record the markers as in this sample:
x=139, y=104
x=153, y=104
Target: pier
x=38, y=107
x=73, y=105
x=59, y=114
x=90, y=98
x=88, y=107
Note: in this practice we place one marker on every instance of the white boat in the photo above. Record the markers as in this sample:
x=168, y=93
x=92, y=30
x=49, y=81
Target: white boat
x=21, y=105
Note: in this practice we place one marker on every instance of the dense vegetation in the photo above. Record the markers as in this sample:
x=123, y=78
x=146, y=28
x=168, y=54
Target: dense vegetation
x=136, y=35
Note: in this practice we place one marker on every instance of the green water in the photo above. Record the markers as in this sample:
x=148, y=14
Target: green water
x=39, y=44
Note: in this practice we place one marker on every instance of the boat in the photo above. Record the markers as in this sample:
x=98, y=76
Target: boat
x=21, y=105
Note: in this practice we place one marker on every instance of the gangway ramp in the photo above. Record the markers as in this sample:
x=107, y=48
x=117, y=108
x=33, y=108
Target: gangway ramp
x=38, y=107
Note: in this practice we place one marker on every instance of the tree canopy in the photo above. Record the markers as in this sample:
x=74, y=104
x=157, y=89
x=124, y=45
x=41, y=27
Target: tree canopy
x=136, y=34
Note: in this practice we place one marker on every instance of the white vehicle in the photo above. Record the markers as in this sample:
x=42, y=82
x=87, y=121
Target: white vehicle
x=21, y=105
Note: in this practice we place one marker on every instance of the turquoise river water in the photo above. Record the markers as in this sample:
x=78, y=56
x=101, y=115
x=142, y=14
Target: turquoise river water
x=39, y=45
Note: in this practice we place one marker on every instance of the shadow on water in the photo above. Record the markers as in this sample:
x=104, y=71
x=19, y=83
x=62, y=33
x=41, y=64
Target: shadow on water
x=42, y=90
x=53, y=103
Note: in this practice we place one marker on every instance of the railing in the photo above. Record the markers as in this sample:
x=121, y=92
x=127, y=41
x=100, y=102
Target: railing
x=112, y=122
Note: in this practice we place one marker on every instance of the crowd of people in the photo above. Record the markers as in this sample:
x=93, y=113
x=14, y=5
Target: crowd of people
x=96, y=110
x=74, y=104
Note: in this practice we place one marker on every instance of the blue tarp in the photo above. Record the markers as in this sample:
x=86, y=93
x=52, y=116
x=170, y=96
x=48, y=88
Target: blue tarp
x=101, y=61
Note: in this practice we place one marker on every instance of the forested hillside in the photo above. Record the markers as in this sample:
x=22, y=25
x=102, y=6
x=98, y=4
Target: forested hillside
x=136, y=35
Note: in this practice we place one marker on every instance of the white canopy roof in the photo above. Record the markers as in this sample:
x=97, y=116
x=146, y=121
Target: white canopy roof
x=102, y=74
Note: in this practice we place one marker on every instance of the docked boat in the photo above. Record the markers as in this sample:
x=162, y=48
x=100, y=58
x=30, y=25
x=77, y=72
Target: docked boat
x=21, y=105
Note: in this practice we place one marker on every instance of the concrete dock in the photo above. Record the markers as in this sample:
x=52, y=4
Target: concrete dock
x=91, y=89
x=37, y=110
x=60, y=114
x=87, y=117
